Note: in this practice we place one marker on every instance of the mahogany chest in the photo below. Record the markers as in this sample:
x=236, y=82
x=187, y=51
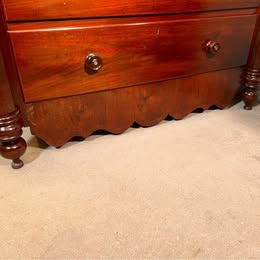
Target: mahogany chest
x=71, y=67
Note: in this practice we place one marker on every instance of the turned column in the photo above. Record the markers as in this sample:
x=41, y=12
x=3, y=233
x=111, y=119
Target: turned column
x=12, y=146
x=251, y=75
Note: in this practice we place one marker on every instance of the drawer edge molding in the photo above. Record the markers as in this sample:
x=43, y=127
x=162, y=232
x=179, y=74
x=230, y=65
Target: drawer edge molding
x=24, y=10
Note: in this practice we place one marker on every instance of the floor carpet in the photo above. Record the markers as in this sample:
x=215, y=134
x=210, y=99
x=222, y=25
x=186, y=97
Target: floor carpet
x=181, y=189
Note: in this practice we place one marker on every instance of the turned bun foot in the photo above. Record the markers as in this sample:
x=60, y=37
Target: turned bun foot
x=17, y=163
x=249, y=96
x=12, y=145
x=13, y=150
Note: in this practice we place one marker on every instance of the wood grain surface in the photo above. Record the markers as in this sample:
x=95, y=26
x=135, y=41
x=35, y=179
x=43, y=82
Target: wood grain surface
x=58, y=120
x=51, y=60
x=60, y=9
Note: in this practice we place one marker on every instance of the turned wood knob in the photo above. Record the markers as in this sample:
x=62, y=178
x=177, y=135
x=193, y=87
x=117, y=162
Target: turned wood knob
x=212, y=47
x=93, y=63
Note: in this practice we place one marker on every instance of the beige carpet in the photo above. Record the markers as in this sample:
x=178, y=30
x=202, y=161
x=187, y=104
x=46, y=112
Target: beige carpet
x=181, y=189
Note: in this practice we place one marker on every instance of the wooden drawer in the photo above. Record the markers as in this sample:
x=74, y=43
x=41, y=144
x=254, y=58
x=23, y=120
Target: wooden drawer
x=59, y=9
x=51, y=59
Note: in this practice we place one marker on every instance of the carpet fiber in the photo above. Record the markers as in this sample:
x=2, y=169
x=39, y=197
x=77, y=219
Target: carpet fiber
x=181, y=189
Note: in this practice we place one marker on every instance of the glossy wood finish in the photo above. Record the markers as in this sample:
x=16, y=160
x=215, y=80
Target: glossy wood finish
x=116, y=110
x=64, y=9
x=249, y=96
x=10, y=90
x=251, y=76
x=51, y=61
x=6, y=98
x=12, y=146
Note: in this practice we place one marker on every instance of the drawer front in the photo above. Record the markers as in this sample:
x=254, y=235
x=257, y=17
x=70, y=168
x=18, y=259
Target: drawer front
x=59, y=9
x=52, y=62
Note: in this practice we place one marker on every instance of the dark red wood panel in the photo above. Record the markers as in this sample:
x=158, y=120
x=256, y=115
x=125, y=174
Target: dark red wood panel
x=51, y=62
x=58, y=120
x=59, y=9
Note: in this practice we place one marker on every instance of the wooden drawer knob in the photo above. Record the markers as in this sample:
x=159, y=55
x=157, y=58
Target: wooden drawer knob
x=93, y=63
x=212, y=47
